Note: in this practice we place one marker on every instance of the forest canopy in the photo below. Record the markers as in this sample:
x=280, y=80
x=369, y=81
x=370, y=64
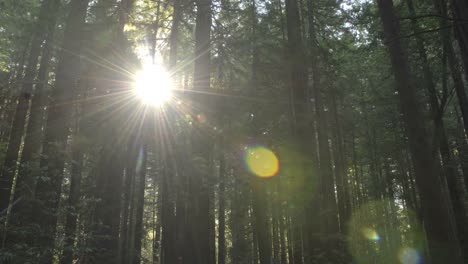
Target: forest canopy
x=233, y=131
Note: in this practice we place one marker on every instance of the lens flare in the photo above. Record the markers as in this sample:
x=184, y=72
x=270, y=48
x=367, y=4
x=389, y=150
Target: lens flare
x=370, y=234
x=262, y=162
x=409, y=256
x=370, y=240
x=153, y=85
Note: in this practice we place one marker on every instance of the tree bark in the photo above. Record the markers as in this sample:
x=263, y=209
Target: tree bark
x=108, y=209
x=261, y=218
x=460, y=15
x=437, y=210
x=199, y=205
x=451, y=174
x=34, y=134
x=48, y=187
x=140, y=199
x=344, y=203
x=77, y=154
x=444, y=33
x=44, y=24
x=221, y=210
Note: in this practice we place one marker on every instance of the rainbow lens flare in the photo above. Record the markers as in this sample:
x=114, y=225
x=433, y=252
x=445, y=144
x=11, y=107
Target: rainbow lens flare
x=261, y=161
x=409, y=255
x=370, y=234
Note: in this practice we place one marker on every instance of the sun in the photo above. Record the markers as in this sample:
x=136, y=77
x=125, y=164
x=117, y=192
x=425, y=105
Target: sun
x=153, y=85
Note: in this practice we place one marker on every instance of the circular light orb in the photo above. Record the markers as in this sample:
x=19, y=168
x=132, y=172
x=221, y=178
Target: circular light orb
x=153, y=85
x=370, y=234
x=364, y=235
x=261, y=161
x=409, y=255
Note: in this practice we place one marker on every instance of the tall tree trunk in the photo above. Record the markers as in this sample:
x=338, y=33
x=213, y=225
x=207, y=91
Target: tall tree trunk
x=344, y=203
x=329, y=206
x=168, y=249
x=174, y=37
x=437, y=210
x=34, y=135
x=127, y=203
x=56, y=132
x=259, y=192
x=108, y=209
x=460, y=15
x=253, y=224
x=221, y=210
x=441, y=9
x=261, y=218
x=77, y=154
x=156, y=218
x=451, y=174
x=25, y=183
x=44, y=24
x=241, y=251
x=199, y=208
x=7, y=112
x=140, y=199
x=111, y=164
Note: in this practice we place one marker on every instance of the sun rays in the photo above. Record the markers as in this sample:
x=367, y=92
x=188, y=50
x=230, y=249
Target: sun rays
x=153, y=85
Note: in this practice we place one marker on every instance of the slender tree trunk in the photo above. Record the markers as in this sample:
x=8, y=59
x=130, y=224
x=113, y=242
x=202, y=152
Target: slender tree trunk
x=126, y=204
x=344, y=203
x=168, y=250
x=199, y=206
x=56, y=132
x=221, y=210
x=174, y=37
x=262, y=223
x=282, y=237
x=130, y=236
x=255, y=249
x=462, y=147
x=239, y=223
x=437, y=210
x=75, y=183
x=329, y=206
x=156, y=199
x=451, y=174
x=19, y=121
x=441, y=9
x=34, y=135
x=108, y=209
x=25, y=184
x=460, y=15
x=7, y=109
x=140, y=199
x=274, y=203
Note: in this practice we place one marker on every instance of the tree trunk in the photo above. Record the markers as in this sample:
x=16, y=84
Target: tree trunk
x=140, y=199
x=441, y=9
x=261, y=218
x=56, y=132
x=108, y=209
x=34, y=134
x=344, y=203
x=44, y=24
x=329, y=206
x=174, y=37
x=460, y=16
x=199, y=205
x=75, y=185
x=221, y=210
x=437, y=210
x=451, y=174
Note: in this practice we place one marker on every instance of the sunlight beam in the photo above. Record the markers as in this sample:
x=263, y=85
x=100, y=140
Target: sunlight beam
x=153, y=85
